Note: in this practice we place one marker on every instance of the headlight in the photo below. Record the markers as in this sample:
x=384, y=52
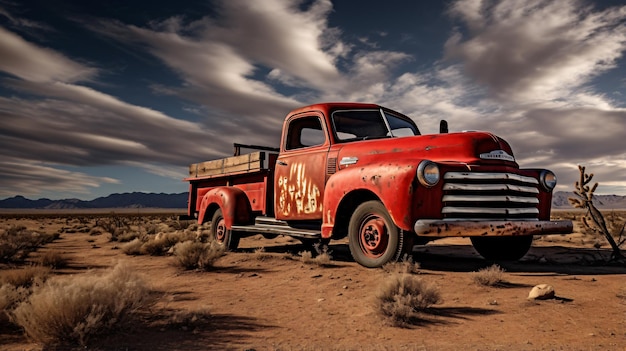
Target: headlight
x=428, y=173
x=547, y=180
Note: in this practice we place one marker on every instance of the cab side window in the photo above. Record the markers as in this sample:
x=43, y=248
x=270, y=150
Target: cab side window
x=305, y=132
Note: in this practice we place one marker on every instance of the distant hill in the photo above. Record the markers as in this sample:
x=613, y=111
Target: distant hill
x=152, y=200
x=603, y=202
x=126, y=200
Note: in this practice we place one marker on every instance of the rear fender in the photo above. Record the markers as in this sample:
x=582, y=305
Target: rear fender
x=233, y=201
x=392, y=183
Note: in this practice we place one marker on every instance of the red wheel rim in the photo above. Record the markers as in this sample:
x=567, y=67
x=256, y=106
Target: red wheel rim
x=220, y=230
x=373, y=236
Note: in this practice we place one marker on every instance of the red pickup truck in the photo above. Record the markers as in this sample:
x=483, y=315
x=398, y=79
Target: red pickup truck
x=365, y=172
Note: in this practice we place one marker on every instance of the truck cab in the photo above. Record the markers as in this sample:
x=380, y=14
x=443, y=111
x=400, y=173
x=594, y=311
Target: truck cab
x=365, y=172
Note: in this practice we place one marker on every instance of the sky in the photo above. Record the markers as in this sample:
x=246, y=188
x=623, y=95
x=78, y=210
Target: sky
x=115, y=96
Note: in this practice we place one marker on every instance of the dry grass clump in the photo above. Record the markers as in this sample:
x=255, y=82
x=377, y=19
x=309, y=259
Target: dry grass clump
x=260, y=255
x=490, y=276
x=16, y=242
x=10, y=296
x=133, y=247
x=72, y=310
x=156, y=245
x=321, y=259
x=402, y=296
x=321, y=256
x=16, y=285
x=53, y=259
x=25, y=277
x=197, y=255
x=405, y=266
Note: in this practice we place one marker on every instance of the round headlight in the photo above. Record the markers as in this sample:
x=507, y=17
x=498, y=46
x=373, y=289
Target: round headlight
x=428, y=173
x=548, y=180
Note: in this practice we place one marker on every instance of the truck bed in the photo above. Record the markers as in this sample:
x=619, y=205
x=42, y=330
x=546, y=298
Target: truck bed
x=248, y=163
x=253, y=173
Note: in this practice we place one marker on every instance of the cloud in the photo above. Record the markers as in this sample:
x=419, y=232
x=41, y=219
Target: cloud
x=241, y=69
x=27, y=61
x=26, y=178
x=527, y=51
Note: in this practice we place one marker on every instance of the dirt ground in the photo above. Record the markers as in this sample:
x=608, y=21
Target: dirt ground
x=273, y=301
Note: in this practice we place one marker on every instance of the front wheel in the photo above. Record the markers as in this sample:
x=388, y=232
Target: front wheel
x=502, y=248
x=373, y=237
x=221, y=234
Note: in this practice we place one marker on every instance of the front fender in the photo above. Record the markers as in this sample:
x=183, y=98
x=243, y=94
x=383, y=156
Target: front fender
x=233, y=201
x=392, y=182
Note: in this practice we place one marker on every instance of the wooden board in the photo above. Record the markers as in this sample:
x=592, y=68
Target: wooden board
x=244, y=163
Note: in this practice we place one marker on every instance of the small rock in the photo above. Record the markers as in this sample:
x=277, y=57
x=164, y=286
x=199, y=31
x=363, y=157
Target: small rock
x=541, y=292
x=345, y=286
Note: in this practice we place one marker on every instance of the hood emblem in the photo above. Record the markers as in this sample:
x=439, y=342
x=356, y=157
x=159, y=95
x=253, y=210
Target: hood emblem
x=497, y=155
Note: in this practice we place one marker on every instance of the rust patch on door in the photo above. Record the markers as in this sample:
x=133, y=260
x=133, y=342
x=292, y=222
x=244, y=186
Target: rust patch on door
x=298, y=192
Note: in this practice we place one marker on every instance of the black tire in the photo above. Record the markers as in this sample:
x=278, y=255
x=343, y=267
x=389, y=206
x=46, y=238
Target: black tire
x=373, y=237
x=505, y=248
x=221, y=234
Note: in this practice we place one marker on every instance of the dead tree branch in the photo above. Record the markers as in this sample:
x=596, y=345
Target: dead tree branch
x=584, y=200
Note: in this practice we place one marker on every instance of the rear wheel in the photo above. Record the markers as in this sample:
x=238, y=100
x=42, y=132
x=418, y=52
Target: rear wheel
x=504, y=248
x=373, y=237
x=221, y=234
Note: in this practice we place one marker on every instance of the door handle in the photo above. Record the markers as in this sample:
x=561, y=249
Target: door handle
x=281, y=163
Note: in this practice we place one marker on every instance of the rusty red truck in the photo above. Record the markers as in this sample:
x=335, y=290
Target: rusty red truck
x=365, y=172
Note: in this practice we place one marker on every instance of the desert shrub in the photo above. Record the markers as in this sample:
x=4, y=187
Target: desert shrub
x=72, y=310
x=114, y=225
x=405, y=266
x=163, y=242
x=10, y=296
x=193, y=254
x=53, y=259
x=402, y=296
x=16, y=242
x=260, y=255
x=490, y=276
x=128, y=236
x=322, y=259
x=320, y=255
x=25, y=277
x=180, y=225
x=133, y=247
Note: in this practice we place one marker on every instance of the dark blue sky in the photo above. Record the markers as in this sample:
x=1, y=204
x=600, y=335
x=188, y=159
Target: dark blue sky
x=119, y=96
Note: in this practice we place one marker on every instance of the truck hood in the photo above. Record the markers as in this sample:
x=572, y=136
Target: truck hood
x=465, y=147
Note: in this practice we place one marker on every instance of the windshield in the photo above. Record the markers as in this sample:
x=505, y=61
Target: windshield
x=370, y=124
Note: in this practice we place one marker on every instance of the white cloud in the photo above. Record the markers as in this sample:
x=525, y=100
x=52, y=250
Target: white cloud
x=33, y=178
x=536, y=50
x=27, y=61
x=519, y=69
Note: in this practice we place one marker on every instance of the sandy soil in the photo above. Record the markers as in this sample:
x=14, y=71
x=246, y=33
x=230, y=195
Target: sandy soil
x=271, y=301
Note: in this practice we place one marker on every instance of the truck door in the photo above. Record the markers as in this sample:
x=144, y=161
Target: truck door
x=301, y=169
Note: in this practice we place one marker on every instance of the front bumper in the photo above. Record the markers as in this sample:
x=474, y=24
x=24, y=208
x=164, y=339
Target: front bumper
x=465, y=228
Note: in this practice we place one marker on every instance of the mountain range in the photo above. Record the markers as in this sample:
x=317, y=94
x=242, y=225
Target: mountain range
x=126, y=200
x=152, y=200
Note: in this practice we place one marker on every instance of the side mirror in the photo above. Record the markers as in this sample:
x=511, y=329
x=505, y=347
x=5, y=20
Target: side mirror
x=443, y=126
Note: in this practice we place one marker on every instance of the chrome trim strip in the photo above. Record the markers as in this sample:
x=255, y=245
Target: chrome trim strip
x=490, y=187
x=490, y=176
x=495, y=198
x=488, y=210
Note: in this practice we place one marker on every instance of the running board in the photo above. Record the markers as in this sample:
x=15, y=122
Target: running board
x=267, y=225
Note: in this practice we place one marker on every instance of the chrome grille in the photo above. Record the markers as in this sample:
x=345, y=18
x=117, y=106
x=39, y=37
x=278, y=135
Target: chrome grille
x=475, y=195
